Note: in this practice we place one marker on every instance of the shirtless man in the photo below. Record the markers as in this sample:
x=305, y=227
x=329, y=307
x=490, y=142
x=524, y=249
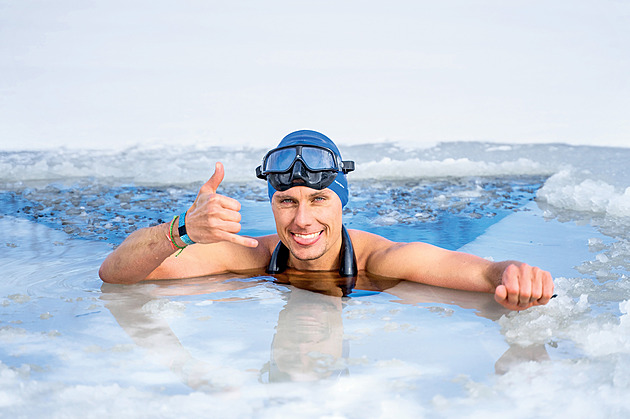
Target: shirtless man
x=308, y=190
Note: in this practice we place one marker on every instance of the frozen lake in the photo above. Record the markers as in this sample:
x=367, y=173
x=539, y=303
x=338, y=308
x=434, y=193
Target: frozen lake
x=252, y=346
x=497, y=128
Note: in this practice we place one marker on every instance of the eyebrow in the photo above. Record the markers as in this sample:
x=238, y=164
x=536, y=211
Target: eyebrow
x=315, y=194
x=318, y=193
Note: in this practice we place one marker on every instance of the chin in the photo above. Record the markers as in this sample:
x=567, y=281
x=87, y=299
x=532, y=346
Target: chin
x=307, y=253
x=311, y=254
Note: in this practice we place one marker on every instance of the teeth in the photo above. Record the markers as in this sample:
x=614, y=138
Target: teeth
x=306, y=236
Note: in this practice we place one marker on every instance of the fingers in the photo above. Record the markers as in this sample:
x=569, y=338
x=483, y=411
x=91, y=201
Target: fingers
x=213, y=217
x=221, y=230
x=224, y=220
x=523, y=286
x=228, y=203
x=224, y=230
x=500, y=294
x=208, y=190
x=510, y=281
x=223, y=208
x=241, y=240
x=547, y=288
x=209, y=221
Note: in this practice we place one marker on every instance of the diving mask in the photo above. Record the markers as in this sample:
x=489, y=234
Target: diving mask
x=302, y=165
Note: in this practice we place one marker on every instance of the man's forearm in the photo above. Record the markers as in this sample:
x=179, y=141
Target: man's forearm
x=139, y=255
x=428, y=264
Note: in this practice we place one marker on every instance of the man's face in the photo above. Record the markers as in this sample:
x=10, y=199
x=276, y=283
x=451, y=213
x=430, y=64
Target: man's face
x=309, y=223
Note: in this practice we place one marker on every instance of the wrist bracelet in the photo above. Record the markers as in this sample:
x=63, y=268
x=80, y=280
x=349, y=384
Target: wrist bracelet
x=182, y=230
x=172, y=238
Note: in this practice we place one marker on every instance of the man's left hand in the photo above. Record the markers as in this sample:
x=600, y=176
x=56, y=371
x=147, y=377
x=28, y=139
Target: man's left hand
x=523, y=286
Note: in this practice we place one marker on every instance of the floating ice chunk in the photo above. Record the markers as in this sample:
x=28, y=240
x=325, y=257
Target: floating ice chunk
x=476, y=193
x=538, y=325
x=423, y=215
x=164, y=308
x=596, y=244
x=605, y=337
x=388, y=168
x=569, y=190
x=19, y=298
x=499, y=148
x=620, y=204
x=564, y=318
x=602, y=258
x=563, y=191
x=388, y=219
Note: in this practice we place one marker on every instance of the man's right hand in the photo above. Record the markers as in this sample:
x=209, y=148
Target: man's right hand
x=214, y=218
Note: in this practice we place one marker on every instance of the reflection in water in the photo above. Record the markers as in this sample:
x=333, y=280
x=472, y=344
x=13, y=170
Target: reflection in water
x=330, y=283
x=308, y=344
x=154, y=334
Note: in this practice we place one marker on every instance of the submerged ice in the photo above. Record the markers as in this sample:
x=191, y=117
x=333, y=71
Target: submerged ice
x=95, y=210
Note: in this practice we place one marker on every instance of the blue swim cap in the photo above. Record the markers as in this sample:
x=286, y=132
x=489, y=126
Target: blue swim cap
x=307, y=137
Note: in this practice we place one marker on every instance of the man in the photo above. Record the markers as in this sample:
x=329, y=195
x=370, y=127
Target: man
x=308, y=189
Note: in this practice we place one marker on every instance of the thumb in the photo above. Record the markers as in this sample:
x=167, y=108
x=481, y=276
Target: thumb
x=213, y=183
x=500, y=294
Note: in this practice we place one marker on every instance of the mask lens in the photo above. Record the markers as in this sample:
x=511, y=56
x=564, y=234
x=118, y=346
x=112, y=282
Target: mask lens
x=280, y=160
x=318, y=158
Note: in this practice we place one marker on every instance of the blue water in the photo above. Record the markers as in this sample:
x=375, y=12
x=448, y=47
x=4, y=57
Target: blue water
x=94, y=210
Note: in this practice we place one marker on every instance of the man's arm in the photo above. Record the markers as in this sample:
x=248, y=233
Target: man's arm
x=213, y=221
x=515, y=285
x=139, y=255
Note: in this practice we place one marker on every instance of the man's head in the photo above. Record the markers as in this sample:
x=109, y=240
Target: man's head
x=306, y=158
x=308, y=189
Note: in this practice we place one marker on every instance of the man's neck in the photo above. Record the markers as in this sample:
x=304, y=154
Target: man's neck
x=330, y=261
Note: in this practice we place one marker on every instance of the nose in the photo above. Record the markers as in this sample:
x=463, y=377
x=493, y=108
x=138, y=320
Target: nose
x=303, y=216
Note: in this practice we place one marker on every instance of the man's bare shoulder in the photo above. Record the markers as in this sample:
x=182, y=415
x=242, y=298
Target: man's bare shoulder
x=268, y=243
x=360, y=237
x=370, y=243
x=367, y=244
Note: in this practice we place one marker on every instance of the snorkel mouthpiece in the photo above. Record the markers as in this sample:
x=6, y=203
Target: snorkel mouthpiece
x=306, y=158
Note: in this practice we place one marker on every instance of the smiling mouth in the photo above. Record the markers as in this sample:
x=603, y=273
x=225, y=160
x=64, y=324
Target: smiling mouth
x=307, y=236
x=306, y=239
